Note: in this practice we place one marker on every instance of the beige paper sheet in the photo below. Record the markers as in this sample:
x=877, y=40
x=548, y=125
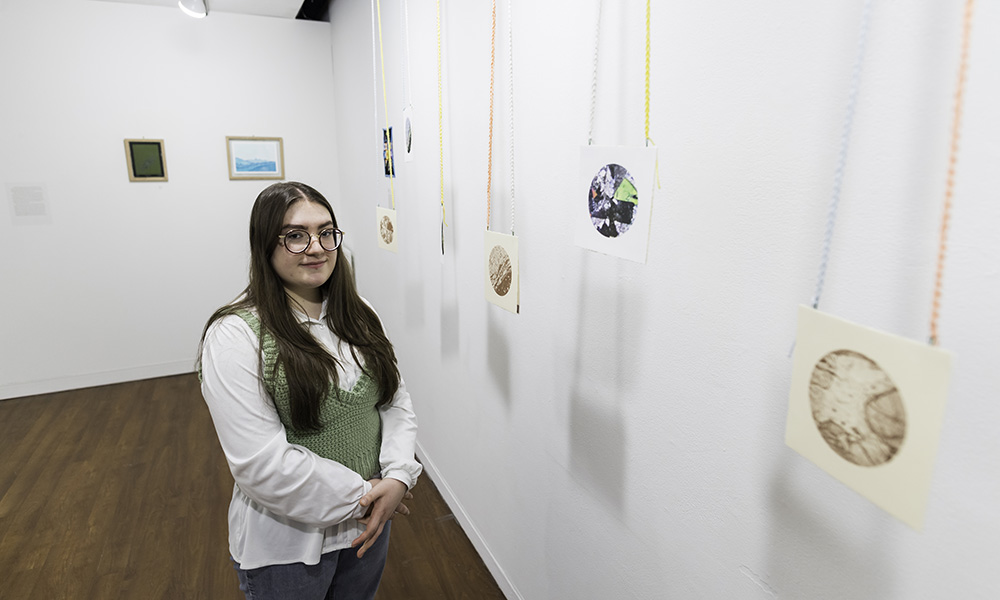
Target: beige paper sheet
x=502, y=271
x=385, y=228
x=867, y=407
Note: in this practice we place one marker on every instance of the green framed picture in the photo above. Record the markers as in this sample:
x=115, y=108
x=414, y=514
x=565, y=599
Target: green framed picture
x=146, y=160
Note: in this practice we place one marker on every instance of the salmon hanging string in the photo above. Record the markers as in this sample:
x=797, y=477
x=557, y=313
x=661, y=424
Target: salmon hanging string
x=949, y=190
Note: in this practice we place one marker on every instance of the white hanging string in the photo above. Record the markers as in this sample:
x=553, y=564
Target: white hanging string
x=845, y=136
x=407, y=93
x=593, y=85
x=375, y=84
x=510, y=60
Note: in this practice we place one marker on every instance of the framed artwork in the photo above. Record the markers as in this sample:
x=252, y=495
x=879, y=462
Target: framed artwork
x=866, y=407
x=614, y=216
x=146, y=160
x=255, y=157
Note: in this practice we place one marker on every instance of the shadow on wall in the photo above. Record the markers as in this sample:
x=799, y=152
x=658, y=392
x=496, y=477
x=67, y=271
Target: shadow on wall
x=498, y=352
x=416, y=278
x=608, y=324
x=449, y=306
x=810, y=553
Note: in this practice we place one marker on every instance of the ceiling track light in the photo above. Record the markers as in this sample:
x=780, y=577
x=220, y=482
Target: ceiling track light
x=193, y=8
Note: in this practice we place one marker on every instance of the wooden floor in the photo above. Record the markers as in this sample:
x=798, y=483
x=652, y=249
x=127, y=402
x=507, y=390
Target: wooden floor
x=121, y=492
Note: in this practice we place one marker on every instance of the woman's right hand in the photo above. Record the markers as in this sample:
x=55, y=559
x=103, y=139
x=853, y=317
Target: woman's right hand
x=384, y=500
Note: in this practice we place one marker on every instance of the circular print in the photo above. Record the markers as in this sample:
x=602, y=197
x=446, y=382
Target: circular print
x=857, y=408
x=613, y=200
x=501, y=272
x=385, y=229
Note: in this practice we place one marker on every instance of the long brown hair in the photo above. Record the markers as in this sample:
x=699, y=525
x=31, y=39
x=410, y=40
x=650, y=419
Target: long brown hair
x=309, y=369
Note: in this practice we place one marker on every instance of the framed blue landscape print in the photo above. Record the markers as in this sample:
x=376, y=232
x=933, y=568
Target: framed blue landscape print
x=255, y=157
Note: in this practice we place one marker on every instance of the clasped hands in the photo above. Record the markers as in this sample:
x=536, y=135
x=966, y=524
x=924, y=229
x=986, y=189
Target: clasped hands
x=383, y=501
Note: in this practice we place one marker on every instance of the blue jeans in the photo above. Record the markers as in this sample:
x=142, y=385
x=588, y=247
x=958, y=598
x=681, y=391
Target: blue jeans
x=339, y=575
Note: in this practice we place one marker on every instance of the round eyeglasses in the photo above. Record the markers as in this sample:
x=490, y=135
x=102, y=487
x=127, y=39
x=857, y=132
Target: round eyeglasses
x=298, y=241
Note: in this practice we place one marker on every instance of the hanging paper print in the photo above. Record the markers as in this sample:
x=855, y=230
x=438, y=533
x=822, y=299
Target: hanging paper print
x=390, y=166
x=502, y=281
x=502, y=271
x=408, y=133
x=613, y=200
x=386, y=228
x=857, y=408
x=614, y=217
x=867, y=407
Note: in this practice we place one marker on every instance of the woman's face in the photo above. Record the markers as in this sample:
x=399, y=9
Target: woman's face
x=303, y=274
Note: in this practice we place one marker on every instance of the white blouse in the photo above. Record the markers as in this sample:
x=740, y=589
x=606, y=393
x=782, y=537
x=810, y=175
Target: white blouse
x=290, y=505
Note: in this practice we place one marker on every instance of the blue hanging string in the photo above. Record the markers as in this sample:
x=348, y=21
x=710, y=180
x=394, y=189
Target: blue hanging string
x=845, y=136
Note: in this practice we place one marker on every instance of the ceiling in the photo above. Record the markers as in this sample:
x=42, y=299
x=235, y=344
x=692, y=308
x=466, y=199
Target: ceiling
x=287, y=9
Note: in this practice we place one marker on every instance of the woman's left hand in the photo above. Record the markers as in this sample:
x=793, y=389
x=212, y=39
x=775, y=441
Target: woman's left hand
x=385, y=499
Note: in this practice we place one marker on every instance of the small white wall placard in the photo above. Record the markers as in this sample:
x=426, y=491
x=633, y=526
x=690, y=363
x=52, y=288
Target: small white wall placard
x=28, y=204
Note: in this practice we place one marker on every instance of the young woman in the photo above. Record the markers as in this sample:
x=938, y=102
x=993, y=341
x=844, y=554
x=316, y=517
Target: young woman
x=312, y=415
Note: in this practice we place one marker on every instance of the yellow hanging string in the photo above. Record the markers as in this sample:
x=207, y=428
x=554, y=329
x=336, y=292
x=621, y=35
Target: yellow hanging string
x=647, y=71
x=385, y=102
x=656, y=167
x=444, y=221
x=489, y=161
x=952, y=160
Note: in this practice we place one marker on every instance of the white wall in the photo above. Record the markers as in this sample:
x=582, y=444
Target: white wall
x=623, y=436
x=118, y=284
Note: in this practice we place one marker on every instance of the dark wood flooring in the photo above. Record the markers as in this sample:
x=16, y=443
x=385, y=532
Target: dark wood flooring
x=121, y=492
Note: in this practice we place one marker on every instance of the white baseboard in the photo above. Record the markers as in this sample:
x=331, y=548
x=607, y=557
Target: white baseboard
x=75, y=382
x=506, y=585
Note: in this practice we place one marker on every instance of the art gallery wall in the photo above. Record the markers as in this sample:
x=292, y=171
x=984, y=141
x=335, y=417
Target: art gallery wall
x=623, y=436
x=119, y=278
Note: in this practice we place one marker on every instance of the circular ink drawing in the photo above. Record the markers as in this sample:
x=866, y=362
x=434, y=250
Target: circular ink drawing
x=857, y=408
x=501, y=272
x=385, y=229
x=613, y=200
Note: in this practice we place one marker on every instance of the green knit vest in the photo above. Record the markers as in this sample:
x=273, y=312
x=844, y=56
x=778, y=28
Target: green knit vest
x=350, y=427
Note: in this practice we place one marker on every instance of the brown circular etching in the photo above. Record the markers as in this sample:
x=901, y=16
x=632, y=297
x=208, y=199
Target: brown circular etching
x=385, y=229
x=857, y=408
x=501, y=272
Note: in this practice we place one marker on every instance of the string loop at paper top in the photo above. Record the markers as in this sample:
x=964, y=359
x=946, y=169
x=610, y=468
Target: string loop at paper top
x=648, y=72
x=510, y=74
x=845, y=137
x=949, y=190
x=647, y=69
x=593, y=84
x=489, y=159
x=444, y=222
x=385, y=102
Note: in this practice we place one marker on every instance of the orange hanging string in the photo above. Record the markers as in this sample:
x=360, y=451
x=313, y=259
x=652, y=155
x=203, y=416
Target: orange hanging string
x=949, y=192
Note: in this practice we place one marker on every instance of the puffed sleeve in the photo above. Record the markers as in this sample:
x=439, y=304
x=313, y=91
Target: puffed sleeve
x=285, y=478
x=399, y=439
